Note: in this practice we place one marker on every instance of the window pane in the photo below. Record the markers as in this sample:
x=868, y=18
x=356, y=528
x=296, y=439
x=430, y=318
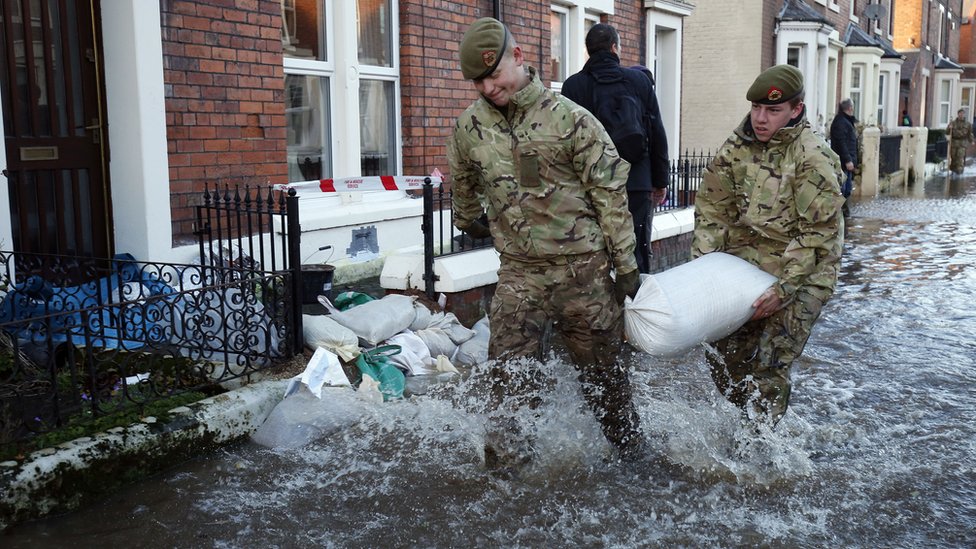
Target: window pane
x=375, y=35
x=303, y=29
x=793, y=56
x=306, y=100
x=376, y=113
x=557, y=47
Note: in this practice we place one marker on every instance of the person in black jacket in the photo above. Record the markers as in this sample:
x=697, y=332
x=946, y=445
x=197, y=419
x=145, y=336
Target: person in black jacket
x=648, y=180
x=843, y=140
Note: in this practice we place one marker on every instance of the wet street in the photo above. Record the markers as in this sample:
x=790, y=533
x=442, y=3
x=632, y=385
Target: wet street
x=878, y=448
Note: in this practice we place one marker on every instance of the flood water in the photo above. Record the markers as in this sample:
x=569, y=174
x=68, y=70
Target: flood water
x=878, y=448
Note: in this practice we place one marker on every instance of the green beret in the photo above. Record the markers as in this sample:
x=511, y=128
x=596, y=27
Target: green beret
x=482, y=48
x=776, y=85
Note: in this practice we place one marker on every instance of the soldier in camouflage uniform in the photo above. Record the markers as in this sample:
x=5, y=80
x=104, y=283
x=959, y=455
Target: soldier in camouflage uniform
x=772, y=197
x=960, y=134
x=552, y=184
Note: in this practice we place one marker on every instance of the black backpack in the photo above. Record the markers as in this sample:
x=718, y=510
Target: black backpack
x=617, y=106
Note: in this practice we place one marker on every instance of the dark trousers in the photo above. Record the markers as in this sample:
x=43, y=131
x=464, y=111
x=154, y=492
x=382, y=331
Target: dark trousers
x=639, y=203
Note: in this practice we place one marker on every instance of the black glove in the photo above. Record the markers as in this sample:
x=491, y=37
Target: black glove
x=626, y=285
x=477, y=230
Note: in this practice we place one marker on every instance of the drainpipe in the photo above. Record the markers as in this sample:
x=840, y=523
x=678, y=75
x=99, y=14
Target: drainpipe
x=496, y=9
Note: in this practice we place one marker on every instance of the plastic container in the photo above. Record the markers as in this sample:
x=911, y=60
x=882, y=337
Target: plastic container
x=316, y=281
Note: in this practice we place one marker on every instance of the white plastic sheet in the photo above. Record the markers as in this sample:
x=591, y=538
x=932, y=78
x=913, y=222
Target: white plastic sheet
x=700, y=301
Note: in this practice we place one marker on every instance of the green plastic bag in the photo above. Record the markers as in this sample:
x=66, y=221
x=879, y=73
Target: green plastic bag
x=348, y=300
x=376, y=364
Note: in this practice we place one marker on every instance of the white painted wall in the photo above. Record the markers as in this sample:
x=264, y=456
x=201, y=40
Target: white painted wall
x=6, y=226
x=139, y=168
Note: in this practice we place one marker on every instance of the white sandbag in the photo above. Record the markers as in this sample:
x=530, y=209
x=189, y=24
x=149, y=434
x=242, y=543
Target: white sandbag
x=422, y=318
x=700, y=301
x=475, y=350
x=438, y=341
x=323, y=331
x=450, y=324
x=414, y=357
x=380, y=319
x=302, y=418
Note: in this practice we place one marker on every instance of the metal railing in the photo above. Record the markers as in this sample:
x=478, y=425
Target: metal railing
x=889, y=154
x=254, y=230
x=82, y=338
x=442, y=238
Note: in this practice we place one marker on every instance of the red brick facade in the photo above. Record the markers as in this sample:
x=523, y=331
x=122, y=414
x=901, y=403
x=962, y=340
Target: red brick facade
x=224, y=85
x=224, y=82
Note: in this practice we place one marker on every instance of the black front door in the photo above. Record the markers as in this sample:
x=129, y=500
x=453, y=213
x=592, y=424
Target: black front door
x=54, y=127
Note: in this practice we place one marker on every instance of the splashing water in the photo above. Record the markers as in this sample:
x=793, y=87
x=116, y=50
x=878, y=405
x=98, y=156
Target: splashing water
x=877, y=450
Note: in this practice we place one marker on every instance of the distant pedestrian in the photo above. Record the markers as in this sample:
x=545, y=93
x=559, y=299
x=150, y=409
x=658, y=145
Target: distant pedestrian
x=843, y=141
x=905, y=119
x=960, y=134
x=621, y=97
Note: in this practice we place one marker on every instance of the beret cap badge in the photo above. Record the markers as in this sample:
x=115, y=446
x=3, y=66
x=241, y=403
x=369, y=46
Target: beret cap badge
x=489, y=56
x=774, y=94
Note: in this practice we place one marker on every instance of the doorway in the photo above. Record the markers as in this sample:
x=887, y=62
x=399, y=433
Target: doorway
x=51, y=85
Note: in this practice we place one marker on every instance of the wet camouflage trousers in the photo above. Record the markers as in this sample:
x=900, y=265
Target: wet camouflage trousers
x=752, y=367
x=957, y=160
x=576, y=294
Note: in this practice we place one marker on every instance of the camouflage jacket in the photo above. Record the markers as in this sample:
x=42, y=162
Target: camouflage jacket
x=776, y=205
x=960, y=130
x=548, y=175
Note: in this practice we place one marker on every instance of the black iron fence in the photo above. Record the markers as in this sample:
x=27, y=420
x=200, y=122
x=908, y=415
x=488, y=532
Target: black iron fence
x=84, y=338
x=442, y=238
x=254, y=230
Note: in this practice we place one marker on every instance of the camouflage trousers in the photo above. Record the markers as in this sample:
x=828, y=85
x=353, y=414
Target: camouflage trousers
x=752, y=366
x=957, y=159
x=576, y=294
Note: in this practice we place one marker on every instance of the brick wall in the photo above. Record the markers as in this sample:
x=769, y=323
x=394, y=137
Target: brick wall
x=908, y=24
x=224, y=85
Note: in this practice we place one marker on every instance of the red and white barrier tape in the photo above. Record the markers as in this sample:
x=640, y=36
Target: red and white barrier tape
x=366, y=183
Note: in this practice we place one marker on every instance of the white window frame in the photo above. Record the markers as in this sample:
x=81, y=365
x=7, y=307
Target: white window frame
x=830, y=4
x=858, y=91
x=578, y=13
x=342, y=64
x=944, y=102
x=881, y=108
x=565, y=39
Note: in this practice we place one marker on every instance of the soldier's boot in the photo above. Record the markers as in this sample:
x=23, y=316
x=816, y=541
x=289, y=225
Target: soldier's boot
x=608, y=392
x=507, y=449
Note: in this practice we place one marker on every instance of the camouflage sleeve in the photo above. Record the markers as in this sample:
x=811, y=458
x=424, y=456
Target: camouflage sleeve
x=812, y=258
x=604, y=177
x=715, y=206
x=466, y=184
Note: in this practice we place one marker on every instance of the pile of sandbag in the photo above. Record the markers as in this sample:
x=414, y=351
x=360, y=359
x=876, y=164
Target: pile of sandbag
x=364, y=349
x=398, y=331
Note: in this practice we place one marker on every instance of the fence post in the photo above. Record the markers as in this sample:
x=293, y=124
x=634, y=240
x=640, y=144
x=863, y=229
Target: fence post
x=294, y=260
x=427, y=226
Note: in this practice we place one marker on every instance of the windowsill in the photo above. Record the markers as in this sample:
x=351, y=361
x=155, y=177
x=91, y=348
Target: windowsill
x=348, y=209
